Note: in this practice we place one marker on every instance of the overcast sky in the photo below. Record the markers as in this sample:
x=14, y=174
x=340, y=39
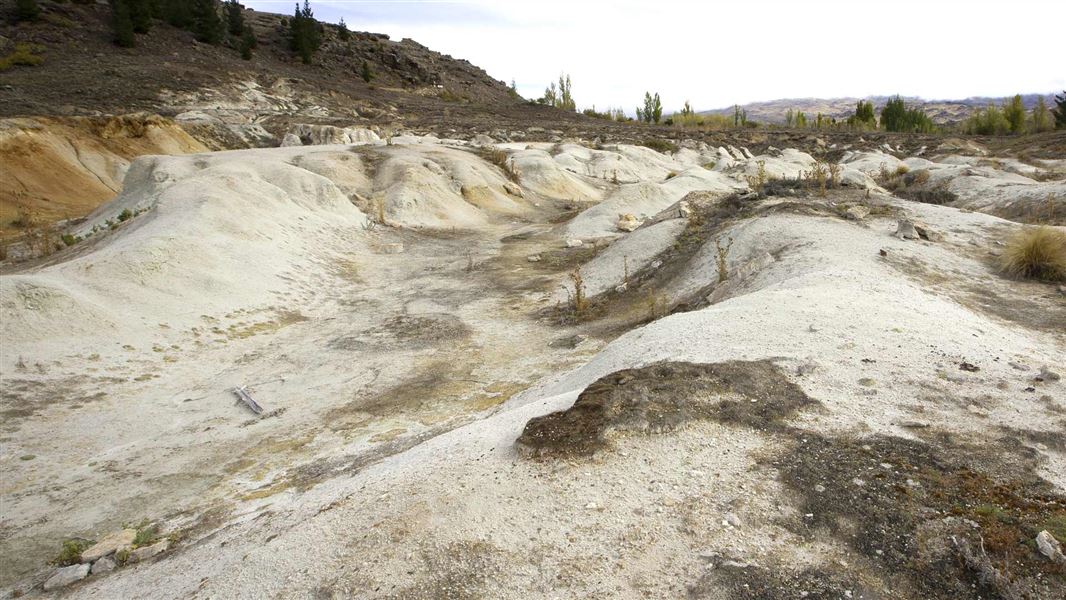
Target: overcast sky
x=716, y=54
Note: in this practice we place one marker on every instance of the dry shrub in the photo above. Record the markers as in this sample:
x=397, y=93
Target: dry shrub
x=579, y=299
x=1037, y=253
x=757, y=181
x=500, y=158
x=723, y=252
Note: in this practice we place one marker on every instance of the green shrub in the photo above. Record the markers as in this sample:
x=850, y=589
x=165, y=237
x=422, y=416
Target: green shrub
x=146, y=534
x=23, y=55
x=234, y=17
x=122, y=23
x=206, y=23
x=988, y=121
x=660, y=145
x=122, y=556
x=176, y=12
x=248, y=43
x=71, y=552
x=1040, y=118
x=141, y=14
x=125, y=215
x=895, y=116
x=26, y=10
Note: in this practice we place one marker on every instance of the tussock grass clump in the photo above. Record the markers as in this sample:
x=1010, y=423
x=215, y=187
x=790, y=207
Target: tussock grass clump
x=450, y=96
x=1038, y=253
x=26, y=55
x=501, y=158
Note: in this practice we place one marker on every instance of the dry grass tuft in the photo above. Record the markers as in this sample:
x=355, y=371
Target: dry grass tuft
x=580, y=300
x=1037, y=253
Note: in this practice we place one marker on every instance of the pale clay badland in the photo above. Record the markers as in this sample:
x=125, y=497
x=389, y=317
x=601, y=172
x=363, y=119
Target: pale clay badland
x=531, y=361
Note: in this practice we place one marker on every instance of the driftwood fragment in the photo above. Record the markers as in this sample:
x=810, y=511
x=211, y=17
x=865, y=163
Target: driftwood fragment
x=243, y=395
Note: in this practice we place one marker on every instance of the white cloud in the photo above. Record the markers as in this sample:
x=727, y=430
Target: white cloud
x=718, y=53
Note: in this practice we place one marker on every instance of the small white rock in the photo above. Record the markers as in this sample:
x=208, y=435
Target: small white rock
x=1049, y=546
x=146, y=552
x=905, y=230
x=104, y=565
x=67, y=575
x=112, y=543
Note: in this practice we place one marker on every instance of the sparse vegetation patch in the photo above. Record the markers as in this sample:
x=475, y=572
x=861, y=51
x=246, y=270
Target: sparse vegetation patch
x=660, y=145
x=940, y=519
x=1036, y=253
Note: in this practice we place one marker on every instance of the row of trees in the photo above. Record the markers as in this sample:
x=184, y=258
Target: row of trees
x=201, y=17
x=652, y=112
x=559, y=97
x=211, y=25
x=1012, y=118
x=1009, y=118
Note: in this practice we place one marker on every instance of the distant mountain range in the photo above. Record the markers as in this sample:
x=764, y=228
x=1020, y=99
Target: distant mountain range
x=941, y=111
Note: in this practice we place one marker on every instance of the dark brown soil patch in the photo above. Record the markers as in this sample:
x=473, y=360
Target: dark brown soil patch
x=940, y=519
x=21, y=399
x=748, y=581
x=661, y=398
